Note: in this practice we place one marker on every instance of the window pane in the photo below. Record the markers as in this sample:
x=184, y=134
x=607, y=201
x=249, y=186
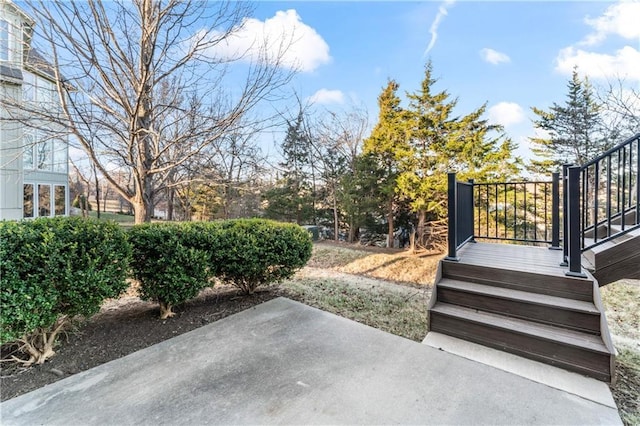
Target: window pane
x=44, y=91
x=27, y=153
x=44, y=155
x=60, y=200
x=27, y=205
x=28, y=87
x=59, y=156
x=44, y=200
x=4, y=40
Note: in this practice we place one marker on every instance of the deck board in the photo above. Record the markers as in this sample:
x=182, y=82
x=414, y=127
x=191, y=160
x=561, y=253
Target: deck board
x=513, y=257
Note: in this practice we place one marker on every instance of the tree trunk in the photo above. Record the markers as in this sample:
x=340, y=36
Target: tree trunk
x=143, y=201
x=170, y=200
x=335, y=218
x=390, y=218
x=422, y=223
x=139, y=212
x=97, y=193
x=352, y=232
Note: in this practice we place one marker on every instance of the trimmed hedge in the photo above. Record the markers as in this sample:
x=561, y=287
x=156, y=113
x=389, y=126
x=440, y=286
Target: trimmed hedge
x=52, y=269
x=169, y=263
x=254, y=252
x=173, y=262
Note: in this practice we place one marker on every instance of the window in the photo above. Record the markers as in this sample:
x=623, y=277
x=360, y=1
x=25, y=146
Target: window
x=27, y=153
x=27, y=206
x=50, y=200
x=44, y=153
x=44, y=200
x=44, y=91
x=59, y=156
x=28, y=87
x=60, y=200
x=4, y=40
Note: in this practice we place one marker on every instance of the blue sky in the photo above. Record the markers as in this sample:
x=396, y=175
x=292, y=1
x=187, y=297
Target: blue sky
x=511, y=55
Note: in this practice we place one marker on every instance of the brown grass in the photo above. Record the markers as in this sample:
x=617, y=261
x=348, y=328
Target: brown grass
x=386, y=264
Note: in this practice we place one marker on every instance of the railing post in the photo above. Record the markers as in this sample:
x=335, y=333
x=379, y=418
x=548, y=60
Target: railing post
x=452, y=215
x=565, y=227
x=555, y=211
x=473, y=212
x=573, y=220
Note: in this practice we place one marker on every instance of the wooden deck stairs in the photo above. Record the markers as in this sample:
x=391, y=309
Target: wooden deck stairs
x=518, y=299
x=538, y=302
x=619, y=257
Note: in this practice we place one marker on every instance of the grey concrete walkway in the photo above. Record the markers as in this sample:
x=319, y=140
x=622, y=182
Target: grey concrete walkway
x=285, y=363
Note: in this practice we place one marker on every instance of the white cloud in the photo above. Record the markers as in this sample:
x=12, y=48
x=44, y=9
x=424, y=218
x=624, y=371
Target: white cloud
x=326, y=96
x=283, y=37
x=442, y=12
x=622, y=19
x=493, y=56
x=624, y=63
x=506, y=114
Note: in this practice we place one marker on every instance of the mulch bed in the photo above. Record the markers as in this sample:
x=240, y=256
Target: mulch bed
x=122, y=327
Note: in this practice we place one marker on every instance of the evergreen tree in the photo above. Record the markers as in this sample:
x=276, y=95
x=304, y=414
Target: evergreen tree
x=292, y=199
x=440, y=142
x=575, y=129
x=360, y=198
x=387, y=146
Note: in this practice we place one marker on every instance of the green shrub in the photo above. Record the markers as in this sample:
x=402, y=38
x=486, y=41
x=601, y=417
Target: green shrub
x=169, y=263
x=52, y=269
x=174, y=261
x=253, y=252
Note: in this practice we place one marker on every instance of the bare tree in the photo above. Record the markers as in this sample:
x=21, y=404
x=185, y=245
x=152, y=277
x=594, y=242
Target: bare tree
x=621, y=108
x=336, y=143
x=83, y=186
x=146, y=85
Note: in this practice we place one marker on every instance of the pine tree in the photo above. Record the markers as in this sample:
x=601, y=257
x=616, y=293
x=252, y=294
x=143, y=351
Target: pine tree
x=575, y=129
x=292, y=199
x=387, y=146
x=360, y=197
x=441, y=142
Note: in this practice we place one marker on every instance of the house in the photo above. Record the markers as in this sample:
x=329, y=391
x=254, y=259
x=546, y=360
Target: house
x=33, y=151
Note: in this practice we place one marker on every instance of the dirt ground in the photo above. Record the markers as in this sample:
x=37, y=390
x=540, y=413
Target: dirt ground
x=122, y=327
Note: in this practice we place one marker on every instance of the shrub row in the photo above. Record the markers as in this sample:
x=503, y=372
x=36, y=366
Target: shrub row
x=173, y=262
x=52, y=269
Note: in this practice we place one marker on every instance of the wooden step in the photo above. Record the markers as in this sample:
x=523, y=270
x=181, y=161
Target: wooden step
x=613, y=251
x=572, y=350
x=569, y=313
x=627, y=268
x=553, y=284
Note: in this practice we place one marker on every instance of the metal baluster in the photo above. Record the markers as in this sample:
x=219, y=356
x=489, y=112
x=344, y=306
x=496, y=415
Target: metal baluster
x=596, y=188
x=609, y=196
x=624, y=186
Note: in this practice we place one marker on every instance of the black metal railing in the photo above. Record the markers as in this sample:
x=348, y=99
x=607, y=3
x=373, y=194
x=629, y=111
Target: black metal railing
x=526, y=211
x=517, y=211
x=610, y=194
x=598, y=202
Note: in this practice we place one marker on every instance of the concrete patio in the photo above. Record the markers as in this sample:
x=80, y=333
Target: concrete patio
x=286, y=363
